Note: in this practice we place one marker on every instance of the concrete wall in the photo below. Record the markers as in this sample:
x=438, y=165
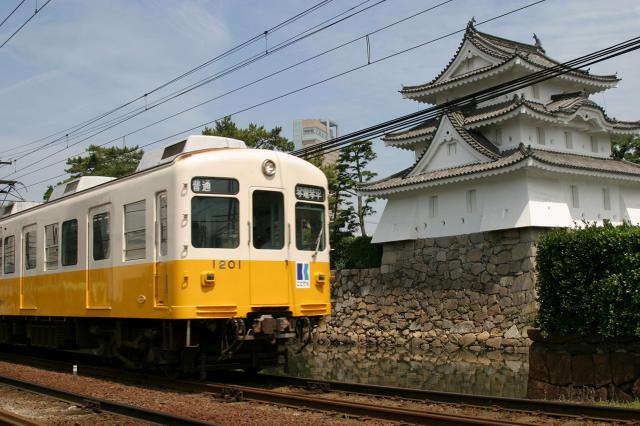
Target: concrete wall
x=471, y=291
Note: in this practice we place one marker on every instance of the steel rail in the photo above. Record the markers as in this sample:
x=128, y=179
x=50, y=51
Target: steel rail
x=360, y=409
x=13, y=419
x=595, y=412
x=100, y=404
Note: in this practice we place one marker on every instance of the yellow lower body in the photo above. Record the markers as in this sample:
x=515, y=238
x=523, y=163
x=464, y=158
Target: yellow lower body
x=181, y=289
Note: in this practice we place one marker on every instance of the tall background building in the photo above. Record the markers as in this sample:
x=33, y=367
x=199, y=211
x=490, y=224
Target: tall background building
x=311, y=131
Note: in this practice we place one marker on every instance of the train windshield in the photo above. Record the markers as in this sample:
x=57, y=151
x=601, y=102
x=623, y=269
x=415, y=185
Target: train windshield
x=310, y=227
x=215, y=222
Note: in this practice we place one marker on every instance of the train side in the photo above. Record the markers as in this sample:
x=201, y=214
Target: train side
x=212, y=236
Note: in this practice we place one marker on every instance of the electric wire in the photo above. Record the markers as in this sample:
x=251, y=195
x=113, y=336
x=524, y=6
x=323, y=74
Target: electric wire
x=25, y=23
x=12, y=12
x=484, y=95
x=101, y=128
x=316, y=56
x=210, y=61
x=287, y=93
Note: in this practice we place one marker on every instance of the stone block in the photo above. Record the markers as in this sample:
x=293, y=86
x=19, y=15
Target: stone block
x=502, y=269
x=467, y=340
x=474, y=255
x=559, y=364
x=483, y=337
x=582, y=370
x=538, y=363
x=493, y=310
x=463, y=327
x=512, y=333
x=521, y=250
x=494, y=342
x=625, y=367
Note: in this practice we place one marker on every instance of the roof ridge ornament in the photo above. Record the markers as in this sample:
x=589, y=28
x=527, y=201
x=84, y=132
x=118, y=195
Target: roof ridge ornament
x=471, y=24
x=538, y=43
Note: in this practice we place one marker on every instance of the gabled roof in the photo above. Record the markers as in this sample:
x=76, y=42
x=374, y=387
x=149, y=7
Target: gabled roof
x=427, y=130
x=508, y=53
x=404, y=180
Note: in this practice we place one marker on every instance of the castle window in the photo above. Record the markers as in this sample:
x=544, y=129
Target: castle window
x=606, y=199
x=433, y=206
x=451, y=148
x=540, y=135
x=471, y=201
x=568, y=140
x=575, y=197
x=594, y=144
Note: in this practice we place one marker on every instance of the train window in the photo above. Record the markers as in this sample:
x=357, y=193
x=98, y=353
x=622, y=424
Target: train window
x=101, y=246
x=9, y=265
x=134, y=230
x=69, y=242
x=215, y=222
x=51, y=246
x=268, y=220
x=214, y=185
x=163, y=229
x=30, y=249
x=310, y=226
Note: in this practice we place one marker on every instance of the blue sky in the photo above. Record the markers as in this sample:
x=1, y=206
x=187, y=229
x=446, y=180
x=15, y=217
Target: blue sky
x=79, y=58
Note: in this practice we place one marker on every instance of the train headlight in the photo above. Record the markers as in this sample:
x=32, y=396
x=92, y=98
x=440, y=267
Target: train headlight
x=268, y=168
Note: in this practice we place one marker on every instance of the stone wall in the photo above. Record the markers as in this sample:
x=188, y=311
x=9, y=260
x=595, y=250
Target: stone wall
x=583, y=368
x=471, y=291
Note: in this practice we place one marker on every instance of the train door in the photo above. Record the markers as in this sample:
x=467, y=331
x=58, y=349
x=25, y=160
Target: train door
x=28, y=288
x=268, y=249
x=161, y=250
x=99, y=275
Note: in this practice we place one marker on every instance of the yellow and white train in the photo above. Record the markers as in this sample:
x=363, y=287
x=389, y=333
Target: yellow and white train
x=211, y=255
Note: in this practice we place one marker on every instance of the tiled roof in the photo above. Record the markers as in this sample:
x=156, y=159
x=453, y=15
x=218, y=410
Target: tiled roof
x=503, y=50
x=475, y=139
x=427, y=127
x=553, y=158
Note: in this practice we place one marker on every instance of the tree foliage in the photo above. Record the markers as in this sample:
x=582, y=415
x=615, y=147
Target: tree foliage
x=626, y=147
x=100, y=161
x=254, y=136
x=352, y=171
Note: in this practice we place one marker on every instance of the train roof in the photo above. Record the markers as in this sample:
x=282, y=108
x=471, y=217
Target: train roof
x=156, y=159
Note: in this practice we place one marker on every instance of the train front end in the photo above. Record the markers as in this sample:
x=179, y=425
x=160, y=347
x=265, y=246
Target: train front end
x=251, y=272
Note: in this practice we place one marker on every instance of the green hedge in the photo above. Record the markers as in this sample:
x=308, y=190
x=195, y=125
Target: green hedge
x=589, y=281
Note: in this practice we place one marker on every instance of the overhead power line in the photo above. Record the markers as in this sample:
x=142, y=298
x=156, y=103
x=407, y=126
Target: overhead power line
x=25, y=23
x=70, y=130
x=12, y=12
x=493, y=92
x=289, y=93
x=472, y=99
x=243, y=86
x=102, y=127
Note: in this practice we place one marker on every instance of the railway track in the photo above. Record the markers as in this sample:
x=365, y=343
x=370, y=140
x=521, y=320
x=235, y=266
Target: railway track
x=12, y=419
x=554, y=408
x=239, y=386
x=98, y=404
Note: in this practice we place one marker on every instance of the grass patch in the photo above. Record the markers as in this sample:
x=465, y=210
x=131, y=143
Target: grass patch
x=631, y=404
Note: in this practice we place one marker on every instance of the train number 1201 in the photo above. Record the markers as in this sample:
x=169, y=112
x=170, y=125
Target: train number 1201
x=227, y=264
